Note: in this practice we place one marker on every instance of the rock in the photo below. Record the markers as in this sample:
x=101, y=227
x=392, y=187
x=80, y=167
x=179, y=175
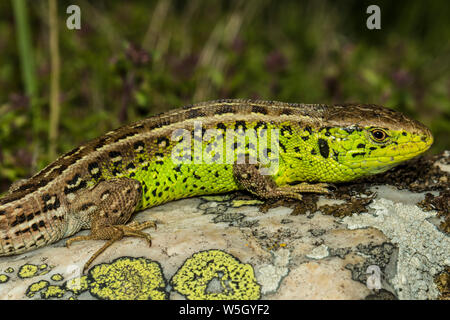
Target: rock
x=364, y=241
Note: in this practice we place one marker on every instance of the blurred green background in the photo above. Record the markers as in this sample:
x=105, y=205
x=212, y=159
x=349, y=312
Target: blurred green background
x=132, y=59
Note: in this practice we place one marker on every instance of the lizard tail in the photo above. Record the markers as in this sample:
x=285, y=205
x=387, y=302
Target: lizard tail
x=24, y=228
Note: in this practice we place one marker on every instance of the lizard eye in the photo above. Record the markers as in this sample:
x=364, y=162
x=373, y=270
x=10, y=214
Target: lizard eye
x=378, y=135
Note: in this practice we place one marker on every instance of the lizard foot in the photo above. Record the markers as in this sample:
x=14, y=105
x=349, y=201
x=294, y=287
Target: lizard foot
x=113, y=202
x=250, y=178
x=113, y=234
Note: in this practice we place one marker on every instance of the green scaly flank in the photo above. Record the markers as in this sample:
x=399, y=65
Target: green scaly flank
x=329, y=154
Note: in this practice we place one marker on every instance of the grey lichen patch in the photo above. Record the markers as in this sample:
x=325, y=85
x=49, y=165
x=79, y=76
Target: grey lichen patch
x=381, y=294
x=339, y=252
x=219, y=209
x=213, y=207
x=225, y=211
x=317, y=232
x=375, y=255
x=229, y=217
x=248, y=224
x=230, y=210
x=319, y=252
x=422, y=248
x=282, y=237
x=269, y=276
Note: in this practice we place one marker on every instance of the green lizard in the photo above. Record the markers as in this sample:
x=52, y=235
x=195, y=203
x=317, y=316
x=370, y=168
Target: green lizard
x=271, y=149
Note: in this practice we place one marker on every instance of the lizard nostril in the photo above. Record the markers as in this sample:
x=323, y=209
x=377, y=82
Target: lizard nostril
x=427, y=137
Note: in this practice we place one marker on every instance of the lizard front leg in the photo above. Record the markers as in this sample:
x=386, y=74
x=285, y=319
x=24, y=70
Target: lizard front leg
x=114, y=201
x=249, y=177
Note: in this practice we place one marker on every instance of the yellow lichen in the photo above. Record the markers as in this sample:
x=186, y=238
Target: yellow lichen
x=36, y=287
x=44, y=269
x=275, y=246
x=52, y=292
x=9, y=270
x=28, y=271
x=127, y=279
x=57, y=277
x=31, y=270
x=3, y=278
x=233, y=280
x=77, y=285
x=218, y=198
x=240, y=203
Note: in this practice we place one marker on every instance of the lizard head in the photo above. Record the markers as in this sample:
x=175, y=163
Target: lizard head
x=369, y=139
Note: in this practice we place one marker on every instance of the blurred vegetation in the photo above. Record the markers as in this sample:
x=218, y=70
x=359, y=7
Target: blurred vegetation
x=132, y=59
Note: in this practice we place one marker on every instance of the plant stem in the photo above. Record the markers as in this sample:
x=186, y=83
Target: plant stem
x=54, y=79
x=25, y=47
x=27, y=68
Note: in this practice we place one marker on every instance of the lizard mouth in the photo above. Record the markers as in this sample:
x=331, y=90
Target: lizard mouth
x=390, y=157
